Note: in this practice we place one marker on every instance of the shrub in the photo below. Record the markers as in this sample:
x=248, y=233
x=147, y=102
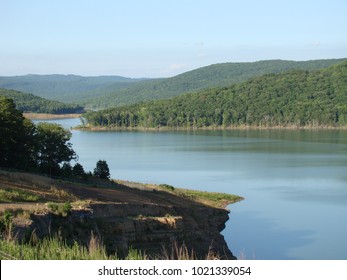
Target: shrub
x=6, y=224
x=61, y=209
x=167, y=187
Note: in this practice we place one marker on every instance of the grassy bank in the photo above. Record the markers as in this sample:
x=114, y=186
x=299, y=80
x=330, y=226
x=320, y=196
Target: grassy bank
x=213, y=199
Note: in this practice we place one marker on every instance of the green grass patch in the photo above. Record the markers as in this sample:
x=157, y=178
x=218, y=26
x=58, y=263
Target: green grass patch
x=214, y=199
x=17, y=195
x=54, y=248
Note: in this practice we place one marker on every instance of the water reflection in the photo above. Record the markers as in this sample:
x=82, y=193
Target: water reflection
x=262, y=238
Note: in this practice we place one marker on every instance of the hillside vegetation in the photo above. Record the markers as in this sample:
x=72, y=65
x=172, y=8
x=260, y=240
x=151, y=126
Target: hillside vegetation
x=115, y=91
x=294, y=98
x=223, y=74
x=27, y=102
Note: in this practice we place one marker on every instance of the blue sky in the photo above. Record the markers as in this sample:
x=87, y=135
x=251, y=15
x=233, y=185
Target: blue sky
x=158, y=38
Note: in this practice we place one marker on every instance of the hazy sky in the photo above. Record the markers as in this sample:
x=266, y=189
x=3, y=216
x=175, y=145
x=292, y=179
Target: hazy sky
x=159, y=38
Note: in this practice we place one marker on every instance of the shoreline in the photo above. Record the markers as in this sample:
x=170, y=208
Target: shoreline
x=216, y=128
x=43, y=116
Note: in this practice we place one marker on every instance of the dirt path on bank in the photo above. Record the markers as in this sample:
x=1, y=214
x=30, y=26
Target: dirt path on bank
x=103, y=192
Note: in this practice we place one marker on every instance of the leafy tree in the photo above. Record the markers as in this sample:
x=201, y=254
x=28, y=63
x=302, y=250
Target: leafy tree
x=101, y=170
x=53, y=147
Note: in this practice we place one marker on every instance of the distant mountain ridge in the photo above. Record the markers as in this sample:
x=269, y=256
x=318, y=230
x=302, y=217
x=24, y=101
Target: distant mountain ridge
x=112, y=91
x=64, y=88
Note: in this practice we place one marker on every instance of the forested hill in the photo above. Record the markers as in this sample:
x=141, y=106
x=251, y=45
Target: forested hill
x=223, y=74
x=294, y=98
x=27, y=102
x=112, y=91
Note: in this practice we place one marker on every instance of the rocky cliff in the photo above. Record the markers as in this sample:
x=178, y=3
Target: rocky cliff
x=121, y=215
x=153, y=229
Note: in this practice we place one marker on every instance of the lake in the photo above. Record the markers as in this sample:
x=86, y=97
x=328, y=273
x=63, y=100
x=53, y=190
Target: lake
x=294, y=181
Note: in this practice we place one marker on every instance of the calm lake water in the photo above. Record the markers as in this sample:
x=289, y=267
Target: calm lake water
x=294, y=182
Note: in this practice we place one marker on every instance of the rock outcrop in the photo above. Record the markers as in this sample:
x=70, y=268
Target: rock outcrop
x=150, y=228
x=121, y=215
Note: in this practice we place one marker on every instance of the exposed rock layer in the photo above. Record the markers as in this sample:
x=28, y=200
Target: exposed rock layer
x=153, y=229
x=121, y=215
